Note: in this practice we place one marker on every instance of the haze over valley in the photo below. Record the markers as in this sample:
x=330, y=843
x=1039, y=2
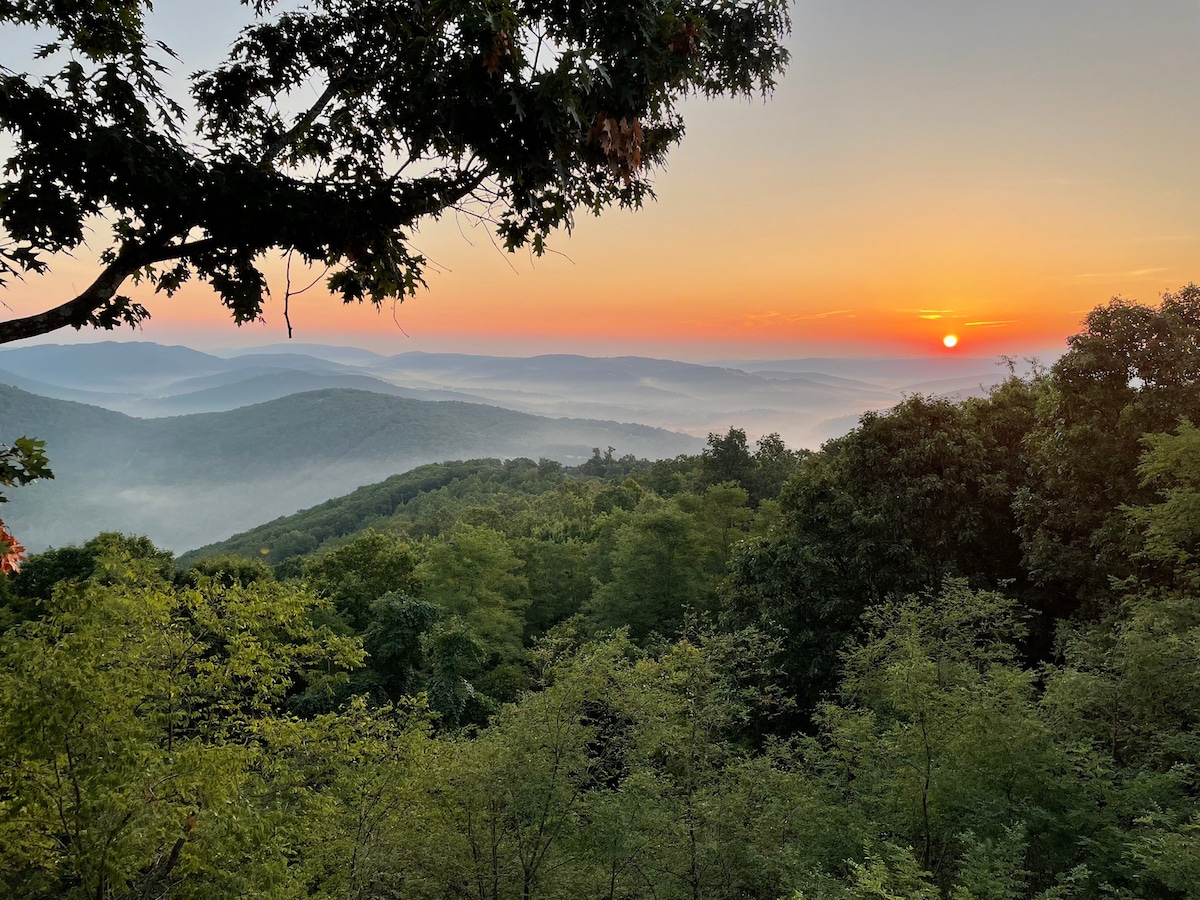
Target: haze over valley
x=191, y=447
x=188, y=480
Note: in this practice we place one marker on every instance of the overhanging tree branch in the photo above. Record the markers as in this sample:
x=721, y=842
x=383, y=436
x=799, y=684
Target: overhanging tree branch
x=100, y=295
x=78, y=311
x=462, y=89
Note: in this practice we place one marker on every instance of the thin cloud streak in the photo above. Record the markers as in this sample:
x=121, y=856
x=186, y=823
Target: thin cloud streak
x=940, y=314
x=1134, y=273
x=759, y=320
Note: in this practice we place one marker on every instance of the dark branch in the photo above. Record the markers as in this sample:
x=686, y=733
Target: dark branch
x=78, y=311
x=301, y=125
x=179, y=251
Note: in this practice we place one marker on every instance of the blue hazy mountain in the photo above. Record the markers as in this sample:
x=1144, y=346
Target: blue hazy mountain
x=804, y=400
x=108, y=365
x=347, y=355
x=258, y=386
x=189, y=480
x=896, y=372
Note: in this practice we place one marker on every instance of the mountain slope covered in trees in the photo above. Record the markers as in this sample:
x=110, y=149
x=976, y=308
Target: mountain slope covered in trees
x=187, y=479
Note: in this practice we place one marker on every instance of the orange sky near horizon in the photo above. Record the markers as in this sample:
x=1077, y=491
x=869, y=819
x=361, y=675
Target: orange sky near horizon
x=923, y=170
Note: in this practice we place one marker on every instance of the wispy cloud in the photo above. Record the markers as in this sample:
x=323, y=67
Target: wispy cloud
x=822, y=315
x=1132, y=273
x=772, y=317
x=997, y=324
x=937, y=314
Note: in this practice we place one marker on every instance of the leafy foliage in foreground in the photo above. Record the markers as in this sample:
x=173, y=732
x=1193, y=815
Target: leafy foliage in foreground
x=653, y=681
x=149, y=751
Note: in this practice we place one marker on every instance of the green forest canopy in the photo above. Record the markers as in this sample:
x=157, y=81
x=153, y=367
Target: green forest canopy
x=953, y=654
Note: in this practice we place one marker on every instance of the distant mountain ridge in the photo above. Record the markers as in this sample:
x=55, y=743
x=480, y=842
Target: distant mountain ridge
x=188, y=480
x=804, y=400
x=897, y=371
x=269, y=385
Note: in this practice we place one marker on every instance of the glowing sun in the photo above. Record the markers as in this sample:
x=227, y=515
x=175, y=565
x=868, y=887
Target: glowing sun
x=950, y=340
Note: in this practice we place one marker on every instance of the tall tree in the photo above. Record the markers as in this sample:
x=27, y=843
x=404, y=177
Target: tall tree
x=356, y=575
x=657, y=573
x=473, y=576
x=1131, y=371
x=727, y=458
x=909, y=497
x=937, y=750
x=333, y=129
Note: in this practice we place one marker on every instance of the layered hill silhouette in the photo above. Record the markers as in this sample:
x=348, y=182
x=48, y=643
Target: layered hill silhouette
x=804, y=400
x=189, y=480
x=190, y=447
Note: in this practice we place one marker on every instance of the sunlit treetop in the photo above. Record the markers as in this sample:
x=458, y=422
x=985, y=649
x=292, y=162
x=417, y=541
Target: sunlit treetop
x=331, y=130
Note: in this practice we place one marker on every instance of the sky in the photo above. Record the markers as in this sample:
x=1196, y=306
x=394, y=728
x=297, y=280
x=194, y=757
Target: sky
x=927, y=167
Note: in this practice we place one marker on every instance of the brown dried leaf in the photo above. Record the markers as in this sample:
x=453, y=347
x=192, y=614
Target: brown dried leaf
x=686, y=42
x=619, y=143
x=499, y=53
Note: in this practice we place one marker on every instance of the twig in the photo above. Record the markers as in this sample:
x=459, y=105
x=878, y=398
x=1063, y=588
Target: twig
x=287, y=294
x=396, y=303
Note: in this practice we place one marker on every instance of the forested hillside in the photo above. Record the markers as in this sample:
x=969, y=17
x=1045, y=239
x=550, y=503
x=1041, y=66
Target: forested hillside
x=186, y=480
x=954, y=654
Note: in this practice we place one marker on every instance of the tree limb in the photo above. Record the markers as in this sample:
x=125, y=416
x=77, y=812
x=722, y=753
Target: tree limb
x=74, y=312
x=77, y=311
x=301, y=125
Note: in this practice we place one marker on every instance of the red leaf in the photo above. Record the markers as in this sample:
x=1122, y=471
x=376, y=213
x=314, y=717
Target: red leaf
x=12, y=554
